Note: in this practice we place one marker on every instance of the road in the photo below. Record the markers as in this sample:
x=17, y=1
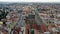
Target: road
x=21, y=21
x=38, y=19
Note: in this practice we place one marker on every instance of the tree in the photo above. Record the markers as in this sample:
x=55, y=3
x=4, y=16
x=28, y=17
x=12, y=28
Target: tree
x=3, y=14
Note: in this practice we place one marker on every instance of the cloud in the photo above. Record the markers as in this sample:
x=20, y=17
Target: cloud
x=29, y=0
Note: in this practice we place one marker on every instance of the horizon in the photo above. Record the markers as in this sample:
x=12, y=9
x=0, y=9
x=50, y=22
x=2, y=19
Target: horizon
x=42, y=1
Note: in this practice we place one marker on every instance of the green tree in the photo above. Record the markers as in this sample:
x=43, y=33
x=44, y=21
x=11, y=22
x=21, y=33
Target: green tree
x=3, y=14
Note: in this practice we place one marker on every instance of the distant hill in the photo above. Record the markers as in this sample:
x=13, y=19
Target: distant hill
x=57, y=5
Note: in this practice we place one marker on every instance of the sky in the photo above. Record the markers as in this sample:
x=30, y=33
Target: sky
x=29, y=0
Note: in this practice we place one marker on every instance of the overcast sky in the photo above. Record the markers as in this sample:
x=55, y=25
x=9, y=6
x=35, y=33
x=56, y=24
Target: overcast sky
x=29, y=0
